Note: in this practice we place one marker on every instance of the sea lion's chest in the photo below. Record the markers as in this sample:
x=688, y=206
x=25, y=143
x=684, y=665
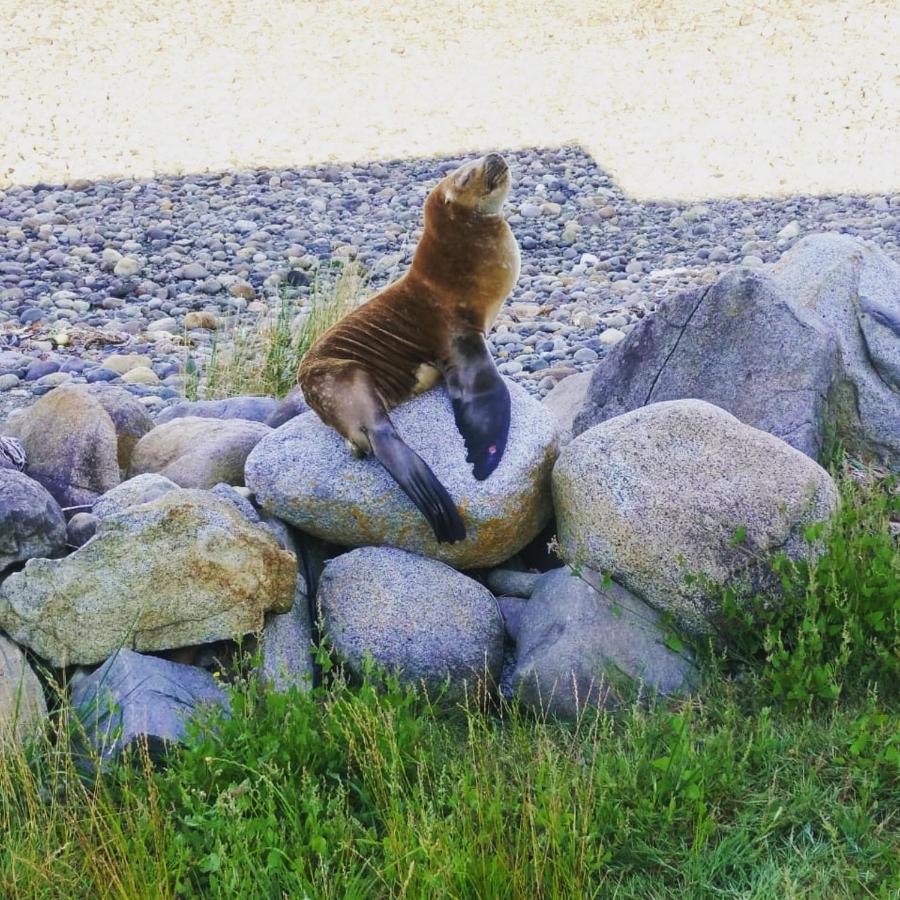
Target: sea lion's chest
x=498, y=277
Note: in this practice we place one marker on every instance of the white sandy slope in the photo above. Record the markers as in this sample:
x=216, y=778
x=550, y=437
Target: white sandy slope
x=676, y=99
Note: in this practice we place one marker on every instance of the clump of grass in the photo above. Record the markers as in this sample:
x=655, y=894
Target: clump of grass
x=834, y=628
x=358, y=791
x=259, y=354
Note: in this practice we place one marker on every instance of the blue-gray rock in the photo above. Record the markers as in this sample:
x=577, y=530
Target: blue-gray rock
x=289, y=408
x=304, y=474
x=134, y=698
x=741, y=344
x=412, y=615
x=81, y=528
x=31, y=522
x=580, y=643
x=255, y=409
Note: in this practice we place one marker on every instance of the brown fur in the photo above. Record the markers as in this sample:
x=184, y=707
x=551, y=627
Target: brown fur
x=464, y=267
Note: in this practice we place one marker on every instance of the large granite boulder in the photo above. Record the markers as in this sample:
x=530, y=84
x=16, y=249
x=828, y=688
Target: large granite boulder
x=580, y=642
x=808, y=351
x=31, y=522
x=740, y=344
x=186, y=569
x=132, y=699
x=412, y=615
x=78, y=439
x=254, y=409
x=854, y=289
x=23, y=710
x=198, y=452
x=662, y=492
x=304, y=473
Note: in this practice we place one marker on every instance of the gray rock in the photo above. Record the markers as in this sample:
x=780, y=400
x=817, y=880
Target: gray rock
x=286, y=643
x=256, y=409
x=740, y=344
x=304, y=473
x=132, y=699
x=565, y=401
x=12, y=454
x=198, y=452
x=23, y=709
x=580, y=643
x=133, y=492
x=854, y=289
x=511, y=609
x=289, y=408
x=515, y=584
x=78, y=439
x=185, y=569
x=659, y=493
x=411, y=614
x=81, y=528
x=31, y=522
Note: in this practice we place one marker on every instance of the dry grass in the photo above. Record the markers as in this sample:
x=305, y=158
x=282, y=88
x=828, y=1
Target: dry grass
x=688, y=99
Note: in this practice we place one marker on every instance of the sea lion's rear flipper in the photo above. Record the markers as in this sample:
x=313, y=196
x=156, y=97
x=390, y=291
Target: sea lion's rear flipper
x=418, y=482
x=480, y=402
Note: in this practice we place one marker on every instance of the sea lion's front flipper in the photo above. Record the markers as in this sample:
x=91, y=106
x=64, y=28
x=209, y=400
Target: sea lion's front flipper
x=418, y=482
x=480, y=402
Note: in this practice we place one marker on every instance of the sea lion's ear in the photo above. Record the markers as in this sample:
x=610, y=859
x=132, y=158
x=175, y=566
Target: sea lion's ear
x=481, y=404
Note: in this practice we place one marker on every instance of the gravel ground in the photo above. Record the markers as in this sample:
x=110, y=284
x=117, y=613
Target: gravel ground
x=101, y=254
x=117, y=267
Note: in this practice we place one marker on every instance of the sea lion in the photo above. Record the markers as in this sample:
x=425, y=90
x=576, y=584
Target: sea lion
x=429, y=324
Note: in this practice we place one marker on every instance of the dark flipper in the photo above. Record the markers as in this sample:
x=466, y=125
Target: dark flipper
x=418, y=482
x=480, y=402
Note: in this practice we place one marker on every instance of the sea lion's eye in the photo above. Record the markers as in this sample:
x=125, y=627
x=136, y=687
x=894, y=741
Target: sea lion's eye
x=463, y=179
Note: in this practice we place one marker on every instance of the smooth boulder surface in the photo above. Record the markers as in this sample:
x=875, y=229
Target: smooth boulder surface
x=133, y=492
x=31, y=521
x=288, y=408
x=742, y=344
x=254, y=409
x=581, y=643
x=133, y=698
x=23, y=709
x=412, y=615
x=566, y=401
x=70, y=444
x=854, y=289
x=304, y=473
x=661, y=492
x=185, y=569
x=198, y=452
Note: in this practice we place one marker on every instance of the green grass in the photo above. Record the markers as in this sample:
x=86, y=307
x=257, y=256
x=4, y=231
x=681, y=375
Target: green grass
x=748, y=789
x=260, y=352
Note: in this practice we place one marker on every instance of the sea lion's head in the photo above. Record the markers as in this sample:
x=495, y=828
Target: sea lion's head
x=480, y=186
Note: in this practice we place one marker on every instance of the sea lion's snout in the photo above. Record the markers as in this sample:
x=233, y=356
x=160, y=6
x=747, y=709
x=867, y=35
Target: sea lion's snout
x=495, y=169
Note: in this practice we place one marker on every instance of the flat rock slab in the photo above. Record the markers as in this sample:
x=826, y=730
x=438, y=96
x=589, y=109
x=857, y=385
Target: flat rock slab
x=197, y=452
x=580, y=642
x=31, y=521
x=305, y=474
x=133, y=698
x=412, y=615
x=185, y=569
x=23, y=709
x=660, y=493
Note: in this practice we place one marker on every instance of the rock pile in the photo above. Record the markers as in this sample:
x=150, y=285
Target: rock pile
x=690, y=452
